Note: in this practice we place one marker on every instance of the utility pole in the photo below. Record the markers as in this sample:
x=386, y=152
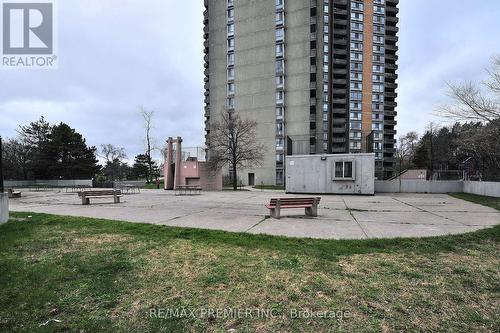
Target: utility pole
x=1, y=166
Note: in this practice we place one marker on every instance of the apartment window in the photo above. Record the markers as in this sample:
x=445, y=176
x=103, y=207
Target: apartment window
x=230, y=29
x=376, y=126
x=230, y=88
x=326, y=19
x=355, y=135
x=355, y=115
x=279, y=17
x=378, y=39
x=355, y=106
x=280, y=80
x=279, y=112
x=357, y=36
x=379, y=9
x=379, y=19
x=377, y=106
x=279, y=3
x=230, y=14
x=356, y=85
x=280, y=66
x=376, y=116
x=377, y=97
x=378, y=69
x=230, y=59
x=355, y=144
x=378, y=88
x=279, y=158
x=356, y=46
x=356, y=76
x=357, y=16
x=280, y=32
x=357, y=66
x=357, y=26
x=355, y=126
x=379, y=2
x=326, y=39
x=279, y=50
x=279, y=128
x=344, y=170
x=230, y=44
x=379, y=29
x=325, y=107
x=230, y=3
x=230, y=103
x=325, y=116
x=377, y=78
x=378, y=58
x=279, y=96
x=356, y=56
x=325, y=88
x=356, y=96
x=357, y=5
x=230, y=74
x=326, y=9
x=378, y=48
x=279, y=143
x=325, y=48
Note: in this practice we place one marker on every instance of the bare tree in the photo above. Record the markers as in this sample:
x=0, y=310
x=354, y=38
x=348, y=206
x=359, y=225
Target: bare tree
x=111, y=153
x=233, y=142
x=406, y=149
x=475, y=101
x=147, y=117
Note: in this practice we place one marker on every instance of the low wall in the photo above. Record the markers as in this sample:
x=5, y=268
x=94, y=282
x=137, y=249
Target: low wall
x=417, y=186
x=491, y=189
x=4, y=208
x=49, y=183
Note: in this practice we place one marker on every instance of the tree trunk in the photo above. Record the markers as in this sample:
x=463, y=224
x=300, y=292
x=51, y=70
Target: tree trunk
x=235, y=179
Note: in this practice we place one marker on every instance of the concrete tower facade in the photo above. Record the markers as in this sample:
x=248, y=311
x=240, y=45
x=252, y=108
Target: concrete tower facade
x=317, y=76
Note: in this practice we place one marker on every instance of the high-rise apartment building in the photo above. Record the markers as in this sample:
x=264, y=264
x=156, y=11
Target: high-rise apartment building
x=318, y=76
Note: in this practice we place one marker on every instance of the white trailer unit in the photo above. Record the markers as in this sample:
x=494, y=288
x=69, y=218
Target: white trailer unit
x=331, y=174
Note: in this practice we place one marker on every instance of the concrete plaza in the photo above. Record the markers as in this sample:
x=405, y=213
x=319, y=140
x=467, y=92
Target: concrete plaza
x=339, y=217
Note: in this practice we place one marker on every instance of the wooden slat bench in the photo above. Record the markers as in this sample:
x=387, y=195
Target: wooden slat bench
x=86, y=195
x=310, y=205
x=187, y=190
x=13, y=194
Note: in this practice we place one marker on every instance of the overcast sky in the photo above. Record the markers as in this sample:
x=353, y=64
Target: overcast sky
x=116, y=55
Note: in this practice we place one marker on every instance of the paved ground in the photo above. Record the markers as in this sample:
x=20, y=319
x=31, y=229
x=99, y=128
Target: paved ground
x=340, y=217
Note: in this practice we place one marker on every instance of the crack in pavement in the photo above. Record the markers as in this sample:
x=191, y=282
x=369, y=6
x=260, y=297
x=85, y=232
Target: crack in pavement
x=354, y=218
x=256, y=224
x=432, y=213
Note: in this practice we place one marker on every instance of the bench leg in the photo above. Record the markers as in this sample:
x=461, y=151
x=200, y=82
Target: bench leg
x=117, y=199
x=312, y=211
x=309, y=211
x=275, y=213
x=85, y=201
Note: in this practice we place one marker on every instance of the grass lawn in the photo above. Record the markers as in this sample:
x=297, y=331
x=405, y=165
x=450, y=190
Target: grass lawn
x=99, y=275
x=152, y=186
x=479, y=199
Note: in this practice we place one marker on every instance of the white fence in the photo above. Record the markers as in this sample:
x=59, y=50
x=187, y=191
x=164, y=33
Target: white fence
x=491, y=189
x=48, y=183
x=423, y=186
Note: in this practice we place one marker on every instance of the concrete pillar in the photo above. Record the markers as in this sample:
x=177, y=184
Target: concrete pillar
x=178, y=162
x=4, y=208
x=167, y=168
